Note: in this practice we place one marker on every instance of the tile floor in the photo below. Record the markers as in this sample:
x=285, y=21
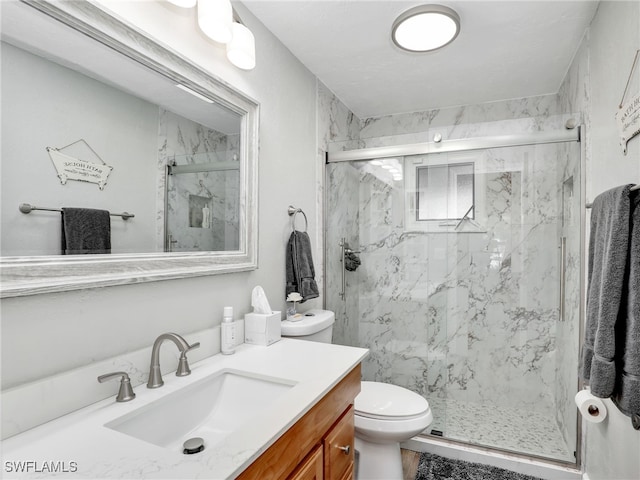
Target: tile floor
x=527, y=432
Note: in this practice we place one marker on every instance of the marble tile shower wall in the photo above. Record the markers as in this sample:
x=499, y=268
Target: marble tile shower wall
x=528, y=114
x=337, y=125
x=440, y=315
x=464, y=316
x=189, y=142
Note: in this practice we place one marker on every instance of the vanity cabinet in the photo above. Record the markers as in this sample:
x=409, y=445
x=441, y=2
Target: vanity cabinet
x=312, y=468
x=319, y=446
x=338, y=447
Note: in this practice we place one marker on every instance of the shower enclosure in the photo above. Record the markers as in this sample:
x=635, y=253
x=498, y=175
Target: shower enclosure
x=202, y=203
x=469, y=287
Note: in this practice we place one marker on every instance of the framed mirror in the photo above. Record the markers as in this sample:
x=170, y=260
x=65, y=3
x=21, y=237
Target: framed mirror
x=97, y=115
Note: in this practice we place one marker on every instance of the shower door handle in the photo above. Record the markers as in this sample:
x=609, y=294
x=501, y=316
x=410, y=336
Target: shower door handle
x=343, y=250
x=563, y=275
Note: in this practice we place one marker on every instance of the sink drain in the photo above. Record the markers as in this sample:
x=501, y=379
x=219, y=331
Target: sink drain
x=193, y=445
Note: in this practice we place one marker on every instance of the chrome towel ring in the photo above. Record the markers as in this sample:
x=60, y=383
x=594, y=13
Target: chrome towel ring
x=293, y=211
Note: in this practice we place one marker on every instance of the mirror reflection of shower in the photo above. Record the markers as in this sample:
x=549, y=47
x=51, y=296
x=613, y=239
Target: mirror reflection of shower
x=202, y=211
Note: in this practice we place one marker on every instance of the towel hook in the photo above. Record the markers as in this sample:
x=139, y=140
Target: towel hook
x=293, y=211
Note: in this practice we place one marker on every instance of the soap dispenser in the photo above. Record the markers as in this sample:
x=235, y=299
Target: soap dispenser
x=228, y=332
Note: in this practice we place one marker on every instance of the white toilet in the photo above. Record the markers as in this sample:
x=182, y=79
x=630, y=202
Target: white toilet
x=385, y=414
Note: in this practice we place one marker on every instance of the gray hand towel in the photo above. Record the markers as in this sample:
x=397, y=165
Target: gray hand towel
x=85, y=230
x=299, y=265
x=627, y=392
x=608, y=250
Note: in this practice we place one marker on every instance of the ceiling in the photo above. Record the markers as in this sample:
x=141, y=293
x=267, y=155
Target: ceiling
x=505, y=50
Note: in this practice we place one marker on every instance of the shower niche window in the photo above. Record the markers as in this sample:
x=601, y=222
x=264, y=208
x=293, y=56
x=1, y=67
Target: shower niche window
x=444, y=192
x=441, y=197
x=199, y=211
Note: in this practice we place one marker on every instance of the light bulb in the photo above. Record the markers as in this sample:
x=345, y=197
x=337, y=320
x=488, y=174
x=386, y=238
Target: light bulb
x=215, y=18
x=241, y=50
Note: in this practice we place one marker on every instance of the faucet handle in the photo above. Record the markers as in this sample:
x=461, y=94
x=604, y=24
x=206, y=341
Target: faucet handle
x=183, y=364
x=126, y=390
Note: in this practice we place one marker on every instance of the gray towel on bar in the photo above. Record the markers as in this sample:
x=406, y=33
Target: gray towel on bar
x=608, y=250
x=627, y=391
x=85, y=230
x=299, y=266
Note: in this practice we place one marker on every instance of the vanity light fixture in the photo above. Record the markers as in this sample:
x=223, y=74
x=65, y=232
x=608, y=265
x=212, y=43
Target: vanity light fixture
x=425, y=28
x=219, y=21
x=194, y=93
x=215, y=18
x=241, y=50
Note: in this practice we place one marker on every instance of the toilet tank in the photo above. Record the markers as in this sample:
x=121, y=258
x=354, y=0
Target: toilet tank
x=316, y=325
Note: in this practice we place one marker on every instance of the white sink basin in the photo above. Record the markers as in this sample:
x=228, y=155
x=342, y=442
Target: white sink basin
x=211, y=408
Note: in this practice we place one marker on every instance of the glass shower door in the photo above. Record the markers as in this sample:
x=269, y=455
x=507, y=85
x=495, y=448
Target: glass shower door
x=458, y=292
x=202, y=204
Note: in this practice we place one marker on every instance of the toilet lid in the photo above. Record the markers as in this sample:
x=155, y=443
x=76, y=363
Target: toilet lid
x=383, y=400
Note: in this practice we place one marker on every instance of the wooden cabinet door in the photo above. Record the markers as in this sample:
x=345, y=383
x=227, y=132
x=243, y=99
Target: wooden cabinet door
x=339, y=448
x=348, y=475
x=311, y=468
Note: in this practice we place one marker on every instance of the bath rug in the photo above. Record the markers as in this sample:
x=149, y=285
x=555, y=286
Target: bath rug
x=434, y=467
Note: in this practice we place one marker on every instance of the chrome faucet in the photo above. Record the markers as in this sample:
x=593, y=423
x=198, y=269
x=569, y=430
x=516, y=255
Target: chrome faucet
x=155, y=376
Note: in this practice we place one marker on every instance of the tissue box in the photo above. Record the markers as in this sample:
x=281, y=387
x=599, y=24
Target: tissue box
x=262, y=329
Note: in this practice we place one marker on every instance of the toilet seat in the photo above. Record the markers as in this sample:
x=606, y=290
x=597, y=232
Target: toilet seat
x=383, y=401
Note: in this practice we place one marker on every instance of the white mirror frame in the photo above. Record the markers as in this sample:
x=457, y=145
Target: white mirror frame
x=21, y=276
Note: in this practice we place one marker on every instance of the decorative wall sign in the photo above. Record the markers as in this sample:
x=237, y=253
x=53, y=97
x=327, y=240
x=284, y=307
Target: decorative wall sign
x=628, y=114
x=628, y=118
x=72, y=168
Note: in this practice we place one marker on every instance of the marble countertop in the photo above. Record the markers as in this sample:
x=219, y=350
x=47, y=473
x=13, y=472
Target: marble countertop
x=78, y=445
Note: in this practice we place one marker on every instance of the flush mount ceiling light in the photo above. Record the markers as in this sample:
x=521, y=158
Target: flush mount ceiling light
x=425, y=28
x=194, y=93
x=183, y=3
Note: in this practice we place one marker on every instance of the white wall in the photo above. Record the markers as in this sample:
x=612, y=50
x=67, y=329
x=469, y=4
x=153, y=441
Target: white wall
x=46, y=334
x=596, y=81
x=47, y=105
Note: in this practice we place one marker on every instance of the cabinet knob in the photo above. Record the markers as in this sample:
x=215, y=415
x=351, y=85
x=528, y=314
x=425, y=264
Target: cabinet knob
x=346, y=449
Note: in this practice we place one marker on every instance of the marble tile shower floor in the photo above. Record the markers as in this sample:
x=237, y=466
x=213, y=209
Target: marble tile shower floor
x=522, y=431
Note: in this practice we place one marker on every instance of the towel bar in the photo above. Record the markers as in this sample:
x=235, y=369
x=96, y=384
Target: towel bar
x=28, y=208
